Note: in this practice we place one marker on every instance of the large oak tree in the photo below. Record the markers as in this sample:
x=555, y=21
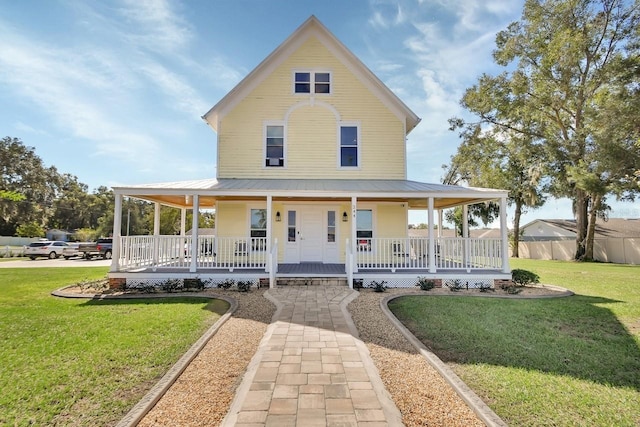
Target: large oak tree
x=571, y=83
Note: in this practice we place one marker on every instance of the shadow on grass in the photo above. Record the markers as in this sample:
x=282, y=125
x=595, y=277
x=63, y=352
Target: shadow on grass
x=213, y=305
x=569, y=336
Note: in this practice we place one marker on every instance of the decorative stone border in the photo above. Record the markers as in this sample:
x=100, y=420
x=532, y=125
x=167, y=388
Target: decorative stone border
x=481, y=409
x=148, y=401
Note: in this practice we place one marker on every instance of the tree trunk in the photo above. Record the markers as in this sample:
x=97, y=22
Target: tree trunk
x=582, y=205
x=516, y=229
x=591, y=230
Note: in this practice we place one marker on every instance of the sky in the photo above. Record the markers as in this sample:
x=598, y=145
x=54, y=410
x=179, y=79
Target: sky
x=113, y=91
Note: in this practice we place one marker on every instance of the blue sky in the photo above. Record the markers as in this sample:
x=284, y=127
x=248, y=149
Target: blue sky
x=113, y=91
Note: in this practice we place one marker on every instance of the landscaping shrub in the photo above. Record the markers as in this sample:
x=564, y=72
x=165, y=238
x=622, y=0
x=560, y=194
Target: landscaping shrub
x=524, y=277
x=244, y=286
x=226, y=284
x=378, y=286
x=426, y=284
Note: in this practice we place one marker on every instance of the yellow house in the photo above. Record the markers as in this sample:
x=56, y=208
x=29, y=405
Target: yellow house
x=311, y=184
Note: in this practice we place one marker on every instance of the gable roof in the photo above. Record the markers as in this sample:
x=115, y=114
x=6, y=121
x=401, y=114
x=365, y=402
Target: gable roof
x=613, y=227
x=311, y=27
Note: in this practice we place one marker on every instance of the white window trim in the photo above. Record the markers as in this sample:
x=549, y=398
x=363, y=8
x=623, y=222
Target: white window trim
x=264, y=143
x=358, y=146
x=312, y=89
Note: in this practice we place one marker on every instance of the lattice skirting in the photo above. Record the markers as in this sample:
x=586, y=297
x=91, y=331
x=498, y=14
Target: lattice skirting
x=464, y=282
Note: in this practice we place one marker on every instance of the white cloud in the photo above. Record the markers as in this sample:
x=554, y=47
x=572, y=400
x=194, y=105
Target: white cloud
x=155, y=25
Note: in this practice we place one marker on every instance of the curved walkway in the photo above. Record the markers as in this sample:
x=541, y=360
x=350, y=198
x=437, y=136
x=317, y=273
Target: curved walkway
x=311, y=369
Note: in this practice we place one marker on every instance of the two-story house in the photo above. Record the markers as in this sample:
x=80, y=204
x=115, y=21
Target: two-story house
x=311, y=183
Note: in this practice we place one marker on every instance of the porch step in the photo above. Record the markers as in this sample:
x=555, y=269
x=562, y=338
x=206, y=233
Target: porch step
x=312, y=281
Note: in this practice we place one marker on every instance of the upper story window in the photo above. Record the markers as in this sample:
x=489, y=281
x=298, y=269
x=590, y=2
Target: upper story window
x=349, y=146
x=274, y=146
x=312, y=82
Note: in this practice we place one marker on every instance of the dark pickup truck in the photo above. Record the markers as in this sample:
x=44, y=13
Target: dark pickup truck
x=101, y=248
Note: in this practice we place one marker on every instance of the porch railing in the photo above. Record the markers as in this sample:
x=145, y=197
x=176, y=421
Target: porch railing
x=177, y=252
x=412, y=254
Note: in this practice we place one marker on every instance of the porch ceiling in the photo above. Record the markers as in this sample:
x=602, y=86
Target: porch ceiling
x=415, y=194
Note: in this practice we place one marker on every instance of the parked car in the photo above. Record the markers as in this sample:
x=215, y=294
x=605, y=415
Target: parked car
x=46, y=248
x=71, y=251
x=102, y=248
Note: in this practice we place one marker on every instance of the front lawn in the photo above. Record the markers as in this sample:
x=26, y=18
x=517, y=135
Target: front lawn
x=561, y=362
x=86, y=362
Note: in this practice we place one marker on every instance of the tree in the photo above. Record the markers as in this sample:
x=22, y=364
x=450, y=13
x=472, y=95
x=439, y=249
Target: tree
x=565, y=60
x=501, y=159
x=30, y=229
x=29, y=188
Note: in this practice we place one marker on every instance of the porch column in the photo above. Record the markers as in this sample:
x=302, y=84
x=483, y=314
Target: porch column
x=117, y=224
x=354, y=238
x=439, y=223
x=504, y=236
x=269, y=216
x=156, y=232
x=432, y=246
x=465, y=237
x=183, y=230
x=194, y=234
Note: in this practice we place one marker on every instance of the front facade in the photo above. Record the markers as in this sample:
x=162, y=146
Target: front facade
x=311, y=182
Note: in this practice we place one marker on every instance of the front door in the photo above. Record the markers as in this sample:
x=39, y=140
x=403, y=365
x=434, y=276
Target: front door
x=311, y=234
x=311, y=242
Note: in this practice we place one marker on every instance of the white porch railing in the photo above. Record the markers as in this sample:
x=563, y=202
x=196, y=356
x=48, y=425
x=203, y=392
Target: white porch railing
x=412, y=254
x=176, y=252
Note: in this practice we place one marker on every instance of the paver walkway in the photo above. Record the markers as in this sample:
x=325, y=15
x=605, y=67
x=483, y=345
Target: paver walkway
x=310, y=370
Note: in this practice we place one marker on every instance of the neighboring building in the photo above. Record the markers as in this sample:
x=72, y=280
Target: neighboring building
x=59, y=235
x=311, y=182
x=615, y=240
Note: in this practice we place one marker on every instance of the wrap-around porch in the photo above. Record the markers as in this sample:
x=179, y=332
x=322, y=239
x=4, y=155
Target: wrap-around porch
x=355, y=255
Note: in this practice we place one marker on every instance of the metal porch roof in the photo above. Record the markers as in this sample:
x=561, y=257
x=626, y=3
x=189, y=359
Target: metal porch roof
x=209, y=190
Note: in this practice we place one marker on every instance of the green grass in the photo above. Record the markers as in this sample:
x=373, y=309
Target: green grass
x=85, y=362
x=557, y=362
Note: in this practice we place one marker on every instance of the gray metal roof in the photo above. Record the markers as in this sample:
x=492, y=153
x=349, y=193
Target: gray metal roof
x=312, y=186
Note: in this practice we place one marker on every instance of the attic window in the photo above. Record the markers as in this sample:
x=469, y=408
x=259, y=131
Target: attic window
x=312, y=82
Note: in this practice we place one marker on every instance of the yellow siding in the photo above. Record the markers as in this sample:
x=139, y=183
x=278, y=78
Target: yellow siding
x=232, y=219
x=312, y=125
x=391, y=221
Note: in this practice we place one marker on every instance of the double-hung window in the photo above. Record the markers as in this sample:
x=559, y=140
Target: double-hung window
x=312, y=82
x=349, y=146
x=274, y=146
x=364, y=229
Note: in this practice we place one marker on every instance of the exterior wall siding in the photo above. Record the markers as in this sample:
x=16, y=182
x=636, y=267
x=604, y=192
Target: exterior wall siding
x=311, y=125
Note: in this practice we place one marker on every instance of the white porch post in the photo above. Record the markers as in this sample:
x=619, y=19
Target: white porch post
x=439, y=222
x=269, y=216
x=194, y=234
x=354, y=238
x=504, y=236
x=183, y=230
x=156, y=232
x=432, y=245
x=465, y=236
x=117, y=224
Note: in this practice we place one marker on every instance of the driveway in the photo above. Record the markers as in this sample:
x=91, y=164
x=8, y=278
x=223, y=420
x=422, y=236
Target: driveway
x=60, y=262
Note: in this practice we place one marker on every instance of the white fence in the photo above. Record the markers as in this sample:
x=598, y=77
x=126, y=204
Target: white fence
x=177, y=251
x=413, y=253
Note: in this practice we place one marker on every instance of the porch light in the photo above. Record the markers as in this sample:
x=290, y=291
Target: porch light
x=345, y=217
x=278, y=217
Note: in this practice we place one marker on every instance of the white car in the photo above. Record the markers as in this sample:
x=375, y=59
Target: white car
x=47, y=249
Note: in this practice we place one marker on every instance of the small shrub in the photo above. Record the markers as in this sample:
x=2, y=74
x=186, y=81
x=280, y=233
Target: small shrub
x=524, y=277
x=512, y=289
x=456, y=286
x=244, y=286
x=226, y=284
x=147, y=289
x=358, y=284
x=378, y=286
x=426, y=284
x=171, y=285
x=483, y=287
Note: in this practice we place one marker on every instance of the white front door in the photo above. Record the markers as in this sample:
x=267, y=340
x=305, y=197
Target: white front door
x=311, y=242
